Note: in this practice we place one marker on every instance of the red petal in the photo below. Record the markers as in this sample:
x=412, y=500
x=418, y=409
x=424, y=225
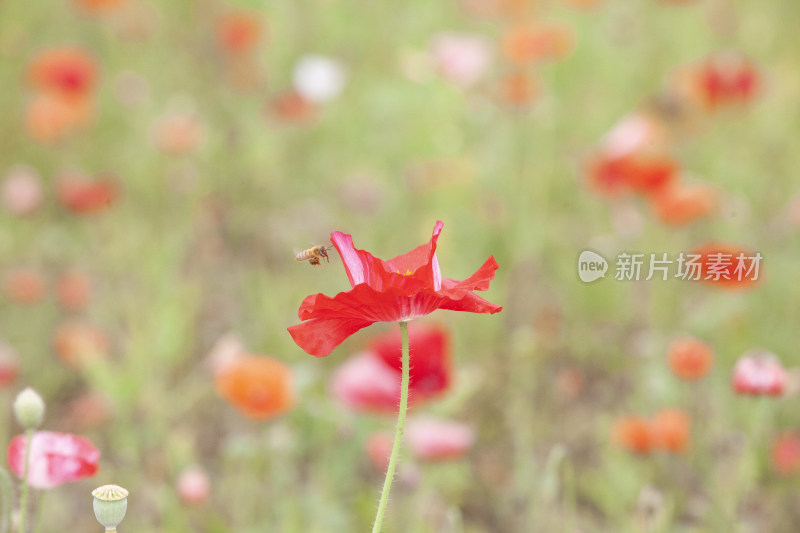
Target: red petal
x=479, y=281
x=419, y=258
x=472, y=303
x=319, y=336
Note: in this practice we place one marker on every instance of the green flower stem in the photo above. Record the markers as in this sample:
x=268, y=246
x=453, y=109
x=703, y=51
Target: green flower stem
x=398, y=434
x=23, y=502
x=5, y=505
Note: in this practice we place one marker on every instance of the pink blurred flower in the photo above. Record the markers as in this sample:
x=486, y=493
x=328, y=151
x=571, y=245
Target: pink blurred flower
x=21, y=190
x=370, y=381
x=759, y=372
x=55, y=458
x=460, y=58
x=433, y=439
x=379, y=447
x=193, y=486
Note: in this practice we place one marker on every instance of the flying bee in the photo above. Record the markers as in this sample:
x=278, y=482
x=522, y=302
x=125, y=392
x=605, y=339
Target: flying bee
x=314, y=254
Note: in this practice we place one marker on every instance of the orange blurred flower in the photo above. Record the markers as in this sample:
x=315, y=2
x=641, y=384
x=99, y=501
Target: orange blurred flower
x=49, y=117
x=680, y=204
x=518, y=89
x=24, y=286
x=530, y=42
x=238, y=32
x=728, y=266
x=670, y=430
x=633, y=433
x=73, y=291
x=68, y=72
x=77, y=342
x=690, y=358
x=96, y=7
x=290, y=107
x=178, y=133
x=259, y=387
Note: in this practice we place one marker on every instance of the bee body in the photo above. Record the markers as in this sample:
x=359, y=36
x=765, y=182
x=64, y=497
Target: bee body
x=314, y=254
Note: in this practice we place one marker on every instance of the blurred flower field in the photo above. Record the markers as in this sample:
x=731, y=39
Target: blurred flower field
x=168, y=168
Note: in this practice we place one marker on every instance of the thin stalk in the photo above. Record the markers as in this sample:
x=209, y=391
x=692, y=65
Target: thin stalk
x=398, y=434
x=5, y=505
x=23, y=502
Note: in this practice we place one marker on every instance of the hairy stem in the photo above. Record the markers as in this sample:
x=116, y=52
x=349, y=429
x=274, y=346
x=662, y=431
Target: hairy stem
x=398, y=434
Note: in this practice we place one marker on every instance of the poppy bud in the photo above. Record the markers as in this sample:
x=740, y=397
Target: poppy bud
x=110, y=504
x=29, y=408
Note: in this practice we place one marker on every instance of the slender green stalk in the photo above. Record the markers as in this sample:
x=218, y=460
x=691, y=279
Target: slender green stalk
x=23, y=502
x=5, y=504
x=398, y=434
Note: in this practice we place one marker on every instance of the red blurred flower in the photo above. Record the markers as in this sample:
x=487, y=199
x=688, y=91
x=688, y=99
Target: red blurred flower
x=432, y=439
x=55, y=458
x=68, y=72
x=238, y=32
x=86, y=196
x=9, y=364
x=370, y=381
x=406, y=287
x=786, y=454
x=641, y=173
x=758, y=373
x=727, y=78
x=680, y=204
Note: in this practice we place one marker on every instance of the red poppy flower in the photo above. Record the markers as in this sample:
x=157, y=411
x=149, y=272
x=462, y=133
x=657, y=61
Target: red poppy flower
x=370, y=381
x=759, y=373
x=406, y=287
x=55, y=458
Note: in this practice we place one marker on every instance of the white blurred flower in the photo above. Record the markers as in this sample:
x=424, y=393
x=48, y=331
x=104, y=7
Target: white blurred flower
x=318, y=78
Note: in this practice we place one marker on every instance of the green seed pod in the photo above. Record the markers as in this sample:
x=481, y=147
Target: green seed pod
x=29, y=408
x=110, y=504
